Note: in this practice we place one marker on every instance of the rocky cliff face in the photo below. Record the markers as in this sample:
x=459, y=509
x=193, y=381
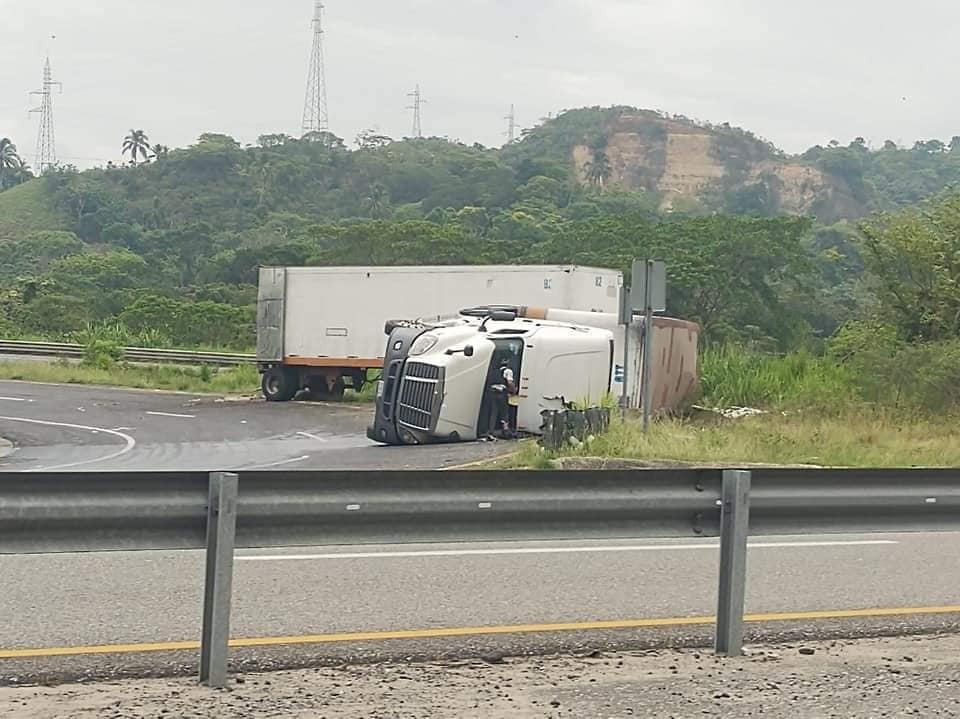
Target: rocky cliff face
x=686, y=163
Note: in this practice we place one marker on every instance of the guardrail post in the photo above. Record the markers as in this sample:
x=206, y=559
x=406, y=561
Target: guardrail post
x=734, y=528
x=218, y=582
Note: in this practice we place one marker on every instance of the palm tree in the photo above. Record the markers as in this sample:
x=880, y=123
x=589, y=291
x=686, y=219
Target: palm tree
x=136, y=143
x=378, y=202
x=159, y=152
x=10, y=161
x=598, y=170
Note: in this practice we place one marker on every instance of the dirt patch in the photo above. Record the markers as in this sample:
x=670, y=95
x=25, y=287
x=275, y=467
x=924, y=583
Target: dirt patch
x=689, y=166
x=613, y=463
x=865, y=678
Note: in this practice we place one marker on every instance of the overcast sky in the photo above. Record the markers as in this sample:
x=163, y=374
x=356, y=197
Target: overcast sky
x=797, y=73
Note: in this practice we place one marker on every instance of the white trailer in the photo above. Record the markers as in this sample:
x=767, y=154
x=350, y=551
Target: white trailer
x=322, y=328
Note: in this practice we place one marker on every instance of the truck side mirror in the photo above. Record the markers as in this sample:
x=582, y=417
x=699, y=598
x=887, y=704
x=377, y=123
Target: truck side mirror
x=467, y=351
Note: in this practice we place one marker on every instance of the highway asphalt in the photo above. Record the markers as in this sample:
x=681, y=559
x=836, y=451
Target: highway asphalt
x=87, y=428
x=435, y=596
x=112, y=599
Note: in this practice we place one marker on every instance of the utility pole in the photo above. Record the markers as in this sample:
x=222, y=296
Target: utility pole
x=511, y=125
x=418, y=102
x=46, y=156
x=315, y=104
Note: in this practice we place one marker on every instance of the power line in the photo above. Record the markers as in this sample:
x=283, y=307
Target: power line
x=418, y=102
x=511, y=125
x=46, y=155
x=315, y=103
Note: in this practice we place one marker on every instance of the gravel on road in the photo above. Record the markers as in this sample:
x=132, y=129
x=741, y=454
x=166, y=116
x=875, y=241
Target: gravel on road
x=898, y=677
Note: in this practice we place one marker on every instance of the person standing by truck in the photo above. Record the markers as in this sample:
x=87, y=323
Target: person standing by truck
x=501, y=387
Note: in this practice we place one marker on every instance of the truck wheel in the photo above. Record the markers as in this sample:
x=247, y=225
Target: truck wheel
x=278, y=385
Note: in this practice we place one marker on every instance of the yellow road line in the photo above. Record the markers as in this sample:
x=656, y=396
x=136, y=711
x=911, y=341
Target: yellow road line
x=475, y=631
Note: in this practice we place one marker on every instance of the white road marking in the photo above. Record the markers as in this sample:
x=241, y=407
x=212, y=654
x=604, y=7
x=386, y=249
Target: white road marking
x=15, y=399
x=278, y=464
x=128, y=442
x=311, y=436
x=171, y=414
x=555, y=550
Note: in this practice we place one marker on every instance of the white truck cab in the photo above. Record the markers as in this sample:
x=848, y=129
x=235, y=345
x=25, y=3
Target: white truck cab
x=435, y=379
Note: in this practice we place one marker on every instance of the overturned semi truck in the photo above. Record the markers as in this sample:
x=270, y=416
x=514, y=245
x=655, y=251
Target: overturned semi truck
x=320, y=328
x=435, y=374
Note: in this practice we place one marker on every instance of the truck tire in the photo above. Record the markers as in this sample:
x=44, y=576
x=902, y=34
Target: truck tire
x=278, y=384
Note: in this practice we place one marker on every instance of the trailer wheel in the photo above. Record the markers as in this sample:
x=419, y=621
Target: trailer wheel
x=278, y=384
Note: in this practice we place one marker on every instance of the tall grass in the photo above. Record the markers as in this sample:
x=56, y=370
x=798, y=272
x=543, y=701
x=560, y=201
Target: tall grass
x=897, y=409
x=732, y=376
x=846, y=439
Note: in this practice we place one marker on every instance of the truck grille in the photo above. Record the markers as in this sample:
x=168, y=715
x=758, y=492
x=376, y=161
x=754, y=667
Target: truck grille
x=421, y=370
x=421, y=387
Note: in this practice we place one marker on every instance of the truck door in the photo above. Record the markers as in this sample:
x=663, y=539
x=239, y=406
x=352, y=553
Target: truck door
x=510, y=349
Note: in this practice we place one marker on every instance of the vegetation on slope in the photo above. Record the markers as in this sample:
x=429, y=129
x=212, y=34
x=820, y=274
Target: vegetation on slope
x=26, y=209
x=817, y=316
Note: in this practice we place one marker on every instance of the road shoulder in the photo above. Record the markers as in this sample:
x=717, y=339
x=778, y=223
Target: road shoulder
x=858, y=678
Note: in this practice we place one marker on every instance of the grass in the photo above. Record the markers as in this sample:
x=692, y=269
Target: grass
x=25, y=209
x=235, y=380
x=817, y=414
x=735, y=377
x=848, y=439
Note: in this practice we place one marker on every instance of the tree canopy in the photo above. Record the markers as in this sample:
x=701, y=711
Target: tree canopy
x=177, y=239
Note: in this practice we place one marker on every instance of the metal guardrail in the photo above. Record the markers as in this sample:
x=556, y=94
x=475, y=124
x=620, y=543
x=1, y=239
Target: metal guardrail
x=67, y=512
x=131, y=354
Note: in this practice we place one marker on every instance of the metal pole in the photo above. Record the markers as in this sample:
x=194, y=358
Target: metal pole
x=647, y=342
x=218, y=584
x=625, y=396
x=734, y=528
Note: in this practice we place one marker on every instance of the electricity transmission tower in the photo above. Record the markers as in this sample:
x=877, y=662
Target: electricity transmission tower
x=418, y=102
x=46, y=148
x=511, y=125
x=315, y=104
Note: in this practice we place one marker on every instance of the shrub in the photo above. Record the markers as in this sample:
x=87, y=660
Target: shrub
x=102, y=354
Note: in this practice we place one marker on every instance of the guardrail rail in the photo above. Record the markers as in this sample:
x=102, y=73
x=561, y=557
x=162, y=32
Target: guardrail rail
x=130, y=354
x=91, y=512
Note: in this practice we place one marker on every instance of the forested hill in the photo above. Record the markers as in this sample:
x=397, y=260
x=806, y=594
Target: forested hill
x=583, y=163
x=170, y=246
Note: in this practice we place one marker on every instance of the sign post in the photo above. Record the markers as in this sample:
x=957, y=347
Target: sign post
x=649, y=294
x=626, y=317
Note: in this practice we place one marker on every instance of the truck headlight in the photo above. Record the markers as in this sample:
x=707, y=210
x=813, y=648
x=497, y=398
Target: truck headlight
x=423, y=343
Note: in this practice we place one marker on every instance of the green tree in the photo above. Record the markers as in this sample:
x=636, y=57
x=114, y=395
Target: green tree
x=598, y=169
x=378, y=202
x=159, y=152
x=136, y=143
x=913, y=258
x=10, y=163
